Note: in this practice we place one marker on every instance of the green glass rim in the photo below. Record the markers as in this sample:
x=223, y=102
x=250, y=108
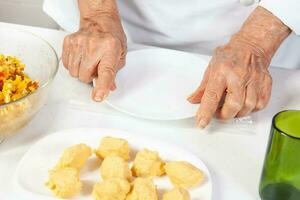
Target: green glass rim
x=278, y=129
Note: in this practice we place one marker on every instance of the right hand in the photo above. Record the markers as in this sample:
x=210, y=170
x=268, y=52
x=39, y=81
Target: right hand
x=93, y=53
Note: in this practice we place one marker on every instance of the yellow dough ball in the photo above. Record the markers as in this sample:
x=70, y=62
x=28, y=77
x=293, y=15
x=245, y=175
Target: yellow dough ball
x=184, y=174
x=115, y=167
x=64, y=182
x=148, y=164
x=113, y=189
x=74, y=156
x=177, y=194
x=143, y=189
x=110, y=146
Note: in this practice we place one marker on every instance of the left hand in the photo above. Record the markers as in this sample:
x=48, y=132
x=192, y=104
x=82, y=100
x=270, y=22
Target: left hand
x=237, y=81
x=237, y=75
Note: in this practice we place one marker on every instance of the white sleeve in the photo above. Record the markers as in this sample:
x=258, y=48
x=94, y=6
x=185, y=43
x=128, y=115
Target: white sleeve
x=288, y=11
x=64, y=12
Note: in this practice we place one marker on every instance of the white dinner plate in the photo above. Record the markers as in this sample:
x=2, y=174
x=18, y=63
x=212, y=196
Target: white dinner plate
x=155, y=84
x=32, y=171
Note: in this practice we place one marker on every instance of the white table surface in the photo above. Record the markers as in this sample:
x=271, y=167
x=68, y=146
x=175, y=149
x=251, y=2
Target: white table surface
x=234, y=156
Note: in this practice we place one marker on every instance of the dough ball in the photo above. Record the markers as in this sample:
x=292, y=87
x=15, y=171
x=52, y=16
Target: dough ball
x=148, y=164
x=75, y=156
x=177, y=193
x=143, y=189
x=115, y=167
x=110, y=146
x=64, y=182
x=184, y=174
x=113, y=189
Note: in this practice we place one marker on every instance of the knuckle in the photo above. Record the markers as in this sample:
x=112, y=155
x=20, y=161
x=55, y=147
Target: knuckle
x=73, y=74
x=223, y=117
x=86, y=68
x=121, y=64
x=65, y=62
x=249, y=104
x=234, y=105
x=218, y=50
x=269, y=79
x=85, y=79
x=260, y=106
x=89, y=70
x=262, y=103
x=71, y=38
x=204, y=113
x=93, y=40
x=67, y=39
x=81, y=39
x=110, y=39
x=239, y=80
x=108, y=70
x=112, y=42
x=212, y=95
x=243, y=114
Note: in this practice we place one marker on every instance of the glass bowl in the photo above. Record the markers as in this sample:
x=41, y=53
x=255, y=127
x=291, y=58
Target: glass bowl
x=41, y=64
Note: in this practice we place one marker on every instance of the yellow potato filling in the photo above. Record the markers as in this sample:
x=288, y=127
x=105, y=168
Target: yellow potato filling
x=14, y=82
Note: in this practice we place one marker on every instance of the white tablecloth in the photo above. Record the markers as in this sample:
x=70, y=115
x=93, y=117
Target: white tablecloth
x=234, y=158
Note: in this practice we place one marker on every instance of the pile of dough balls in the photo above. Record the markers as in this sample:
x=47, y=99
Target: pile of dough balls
x=119, y=180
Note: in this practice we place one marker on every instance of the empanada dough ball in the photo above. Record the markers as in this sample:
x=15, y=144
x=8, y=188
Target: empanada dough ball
x=143, y=189
x=115, y=167
x=148, y=164
x=64, y=182
x=74, y=156
x=184, y=174
x=110, y=146
x=177, y=193
x=112, y=189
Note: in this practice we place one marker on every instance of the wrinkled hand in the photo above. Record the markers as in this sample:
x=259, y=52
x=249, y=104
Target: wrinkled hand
x=94, y=52
x=237, y=81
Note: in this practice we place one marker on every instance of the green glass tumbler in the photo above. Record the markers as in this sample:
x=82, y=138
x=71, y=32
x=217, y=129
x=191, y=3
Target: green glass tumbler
x=280, y=178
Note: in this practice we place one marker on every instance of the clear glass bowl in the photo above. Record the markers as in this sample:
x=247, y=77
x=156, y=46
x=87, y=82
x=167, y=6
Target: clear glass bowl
x=41, y=64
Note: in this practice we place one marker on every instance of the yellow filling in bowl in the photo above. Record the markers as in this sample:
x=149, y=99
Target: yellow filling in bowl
x=14, y=82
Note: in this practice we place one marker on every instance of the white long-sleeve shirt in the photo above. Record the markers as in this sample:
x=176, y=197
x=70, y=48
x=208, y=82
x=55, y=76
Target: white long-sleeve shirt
x=196, y=25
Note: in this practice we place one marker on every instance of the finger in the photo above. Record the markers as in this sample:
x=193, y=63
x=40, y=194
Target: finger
x=74, y=59
x=122, y=61
x=106, y=76
x=87, y=68
x=113, y=86
x=250, y=101
x=65, y=52
x=265, y=94
x=233, y=103
x=197, y=95
x=121, y=64
x=210, y=100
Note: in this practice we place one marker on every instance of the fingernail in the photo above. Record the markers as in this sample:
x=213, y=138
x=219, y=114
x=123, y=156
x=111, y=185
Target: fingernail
x=99, y=96
x=190, y=98
x=202, y=123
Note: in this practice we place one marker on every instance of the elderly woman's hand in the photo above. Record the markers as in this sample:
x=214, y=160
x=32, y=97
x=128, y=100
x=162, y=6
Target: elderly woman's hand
x=98, y=49
x=237, y=80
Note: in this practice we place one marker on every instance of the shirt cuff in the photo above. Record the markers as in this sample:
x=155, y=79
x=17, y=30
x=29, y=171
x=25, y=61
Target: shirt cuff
x=64, y=12
x=286, y=10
